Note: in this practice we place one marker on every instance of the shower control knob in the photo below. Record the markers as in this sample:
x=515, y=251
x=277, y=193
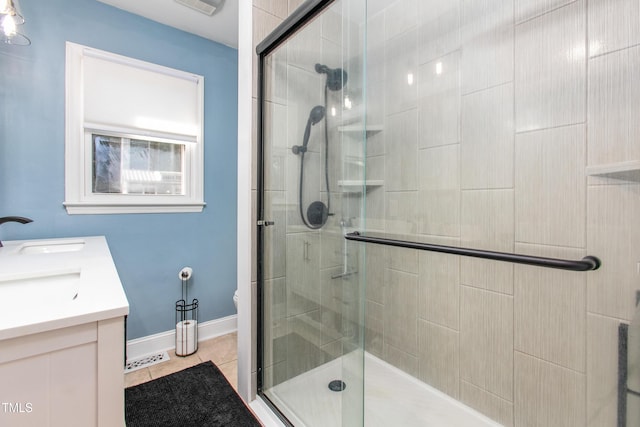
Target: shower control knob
x=298, y=149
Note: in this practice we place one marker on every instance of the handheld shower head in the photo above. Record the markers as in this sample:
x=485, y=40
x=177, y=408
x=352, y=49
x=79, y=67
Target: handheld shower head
x=316, y=115
x=336, y=77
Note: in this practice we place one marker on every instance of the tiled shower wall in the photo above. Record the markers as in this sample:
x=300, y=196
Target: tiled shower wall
x=492, y=113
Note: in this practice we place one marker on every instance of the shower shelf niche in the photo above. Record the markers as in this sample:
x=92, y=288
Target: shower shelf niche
x=356, y=185
x=358, y=128
x=628, y=171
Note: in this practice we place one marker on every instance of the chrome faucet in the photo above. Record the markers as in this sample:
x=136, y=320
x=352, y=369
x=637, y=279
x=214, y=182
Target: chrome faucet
x=20, y=219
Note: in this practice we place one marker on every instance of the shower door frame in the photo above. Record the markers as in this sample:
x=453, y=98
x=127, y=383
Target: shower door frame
x=298, y=18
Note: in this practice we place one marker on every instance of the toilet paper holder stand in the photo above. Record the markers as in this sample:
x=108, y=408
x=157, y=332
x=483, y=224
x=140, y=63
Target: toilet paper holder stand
x=186, y=318
x=186, y=327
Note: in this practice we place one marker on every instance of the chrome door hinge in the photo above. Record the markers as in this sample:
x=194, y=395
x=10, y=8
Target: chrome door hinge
x=265, y=223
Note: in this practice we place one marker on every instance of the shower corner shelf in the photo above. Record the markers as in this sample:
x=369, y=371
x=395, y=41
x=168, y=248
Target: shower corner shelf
x=628, y=171
x=358, y=128
x=356, y=185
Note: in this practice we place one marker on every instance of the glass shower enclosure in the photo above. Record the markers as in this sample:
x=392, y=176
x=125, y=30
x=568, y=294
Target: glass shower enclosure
x=447, y=214
x=313, y=166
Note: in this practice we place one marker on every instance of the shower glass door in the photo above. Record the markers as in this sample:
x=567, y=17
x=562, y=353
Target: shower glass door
x=311, y=194
x=503, y=126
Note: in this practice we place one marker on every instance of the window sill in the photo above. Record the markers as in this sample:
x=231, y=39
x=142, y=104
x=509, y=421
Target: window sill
x=78, y=208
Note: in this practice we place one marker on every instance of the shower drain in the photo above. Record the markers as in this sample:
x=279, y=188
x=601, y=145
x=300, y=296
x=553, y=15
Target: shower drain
x=146, y=361
x=337, y=385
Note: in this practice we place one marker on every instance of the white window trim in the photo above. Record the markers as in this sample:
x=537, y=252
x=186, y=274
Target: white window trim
x=78, y=162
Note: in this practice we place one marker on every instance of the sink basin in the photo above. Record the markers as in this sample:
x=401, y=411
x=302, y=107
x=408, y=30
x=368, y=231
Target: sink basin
x=52, y=247
x=26, y=291
x=53, y=283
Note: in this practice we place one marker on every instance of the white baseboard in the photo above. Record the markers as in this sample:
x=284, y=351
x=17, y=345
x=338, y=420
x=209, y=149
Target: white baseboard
x=164, y=341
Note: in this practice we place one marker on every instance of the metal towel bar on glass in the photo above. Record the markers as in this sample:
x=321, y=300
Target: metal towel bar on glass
x=585, y=264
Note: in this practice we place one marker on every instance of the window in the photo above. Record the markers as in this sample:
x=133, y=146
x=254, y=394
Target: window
x=133, y=166
x=133, y=135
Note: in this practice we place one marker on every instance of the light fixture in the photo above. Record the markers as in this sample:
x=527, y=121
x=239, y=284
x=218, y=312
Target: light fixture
x=9, y=19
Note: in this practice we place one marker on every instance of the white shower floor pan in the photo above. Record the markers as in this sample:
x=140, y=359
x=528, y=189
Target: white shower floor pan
x=392, y=398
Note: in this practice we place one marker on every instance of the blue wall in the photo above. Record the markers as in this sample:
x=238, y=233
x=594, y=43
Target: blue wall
x=148, y=249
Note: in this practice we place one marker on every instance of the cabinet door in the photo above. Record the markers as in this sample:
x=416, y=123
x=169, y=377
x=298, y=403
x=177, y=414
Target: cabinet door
x=57, y=388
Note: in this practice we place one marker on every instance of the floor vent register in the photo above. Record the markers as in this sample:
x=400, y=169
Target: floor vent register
x=146, y=361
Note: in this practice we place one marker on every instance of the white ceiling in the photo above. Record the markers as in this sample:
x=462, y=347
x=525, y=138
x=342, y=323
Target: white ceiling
x=221, y=27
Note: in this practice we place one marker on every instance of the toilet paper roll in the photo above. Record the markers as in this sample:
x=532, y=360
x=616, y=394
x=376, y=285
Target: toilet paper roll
x=186, y=337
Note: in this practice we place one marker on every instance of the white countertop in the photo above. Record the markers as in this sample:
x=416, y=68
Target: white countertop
x=98, y=292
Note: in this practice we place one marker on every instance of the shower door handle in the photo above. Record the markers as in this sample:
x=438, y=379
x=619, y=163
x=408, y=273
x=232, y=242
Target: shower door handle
x=587, y=263
x=265, y=223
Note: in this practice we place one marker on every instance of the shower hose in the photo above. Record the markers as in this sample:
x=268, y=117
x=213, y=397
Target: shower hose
x=326, y=173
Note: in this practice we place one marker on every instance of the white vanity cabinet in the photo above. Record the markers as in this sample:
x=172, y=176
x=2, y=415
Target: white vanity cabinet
x=66, y=377
x=62, y=363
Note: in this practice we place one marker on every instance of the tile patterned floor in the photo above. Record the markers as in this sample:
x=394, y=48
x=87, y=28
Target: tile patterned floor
x=221, y=350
